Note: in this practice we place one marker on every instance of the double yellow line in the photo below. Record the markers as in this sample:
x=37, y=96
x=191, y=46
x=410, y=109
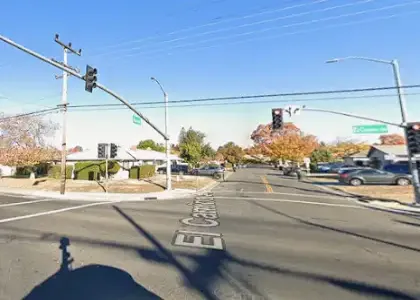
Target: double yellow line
x=268, y=187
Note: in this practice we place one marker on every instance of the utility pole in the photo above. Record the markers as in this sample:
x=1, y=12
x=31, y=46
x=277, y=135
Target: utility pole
x=66, y=48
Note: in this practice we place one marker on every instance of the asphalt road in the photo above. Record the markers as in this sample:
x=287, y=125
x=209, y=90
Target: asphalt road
x=256, y=236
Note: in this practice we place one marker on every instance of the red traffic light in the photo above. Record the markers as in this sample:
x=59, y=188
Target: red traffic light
x=415, y=126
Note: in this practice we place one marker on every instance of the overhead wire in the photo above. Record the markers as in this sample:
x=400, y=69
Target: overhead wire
x=30, y=114
x=210, y=24
x=309, y=93
x=277, y=27
x=88, y=108
x=109, y=106
x=241, y=26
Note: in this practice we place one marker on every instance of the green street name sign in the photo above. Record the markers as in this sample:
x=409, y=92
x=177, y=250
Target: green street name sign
x=136, y=120
x=366, y=129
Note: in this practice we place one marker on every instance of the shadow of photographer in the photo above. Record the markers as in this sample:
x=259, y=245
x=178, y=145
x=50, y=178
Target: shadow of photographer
x=89, y=282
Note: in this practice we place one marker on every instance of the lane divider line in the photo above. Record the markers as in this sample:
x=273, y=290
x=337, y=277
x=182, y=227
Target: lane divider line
x=268, y=187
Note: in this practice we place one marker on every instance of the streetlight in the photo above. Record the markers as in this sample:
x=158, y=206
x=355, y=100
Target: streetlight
x=401, y=98
x=167, y=144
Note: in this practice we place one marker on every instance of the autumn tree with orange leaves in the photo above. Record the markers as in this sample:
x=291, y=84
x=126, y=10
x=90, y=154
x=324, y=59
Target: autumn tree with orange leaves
x=292, y=146
x=23, y=141
x=392, y=139
x=342, y=149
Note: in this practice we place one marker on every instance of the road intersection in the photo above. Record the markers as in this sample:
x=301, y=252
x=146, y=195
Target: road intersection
x=256, y=236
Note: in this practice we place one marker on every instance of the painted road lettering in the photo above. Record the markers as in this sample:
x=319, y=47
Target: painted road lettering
x=203, y=214
x=205, y=240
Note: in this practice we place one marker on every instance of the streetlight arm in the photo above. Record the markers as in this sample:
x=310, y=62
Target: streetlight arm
x=382, y=61
x=352, y=116
x=161, y=87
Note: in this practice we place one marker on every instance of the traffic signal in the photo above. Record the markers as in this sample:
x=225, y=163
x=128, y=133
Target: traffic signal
x=102, y=150
x=90, y=78
x=413, y=137
x=277, y=114
x=114, y=150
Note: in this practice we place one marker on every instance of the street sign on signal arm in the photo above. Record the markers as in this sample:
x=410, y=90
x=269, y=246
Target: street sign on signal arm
x=136, y=120
x=368, y=129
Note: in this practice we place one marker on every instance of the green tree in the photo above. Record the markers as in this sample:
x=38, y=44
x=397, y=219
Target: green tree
x=231, y=152
x=151, y=145
x=208, y=152
x=191, y=144
x=321, y=155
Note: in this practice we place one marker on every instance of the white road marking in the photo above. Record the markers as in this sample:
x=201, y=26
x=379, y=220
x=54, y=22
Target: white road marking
x=25, y=202
x=293, y=201
x=200, y=233
x=292, y=194
x=56, y=211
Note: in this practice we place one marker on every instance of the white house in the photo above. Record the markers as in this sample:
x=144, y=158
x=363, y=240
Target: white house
x=126, y=159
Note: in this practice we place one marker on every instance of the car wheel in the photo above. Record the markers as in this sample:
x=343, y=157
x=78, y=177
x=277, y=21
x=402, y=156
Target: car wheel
x=160, y=172
x=403, y=181
x=355, y=182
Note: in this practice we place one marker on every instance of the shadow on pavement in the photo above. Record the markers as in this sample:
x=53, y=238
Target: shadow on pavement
x=335, y=229
x=210, y=267
x=90, y=282
x=408, y=223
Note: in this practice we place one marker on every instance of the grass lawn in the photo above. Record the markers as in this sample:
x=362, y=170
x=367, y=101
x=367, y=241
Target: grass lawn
x=121, y=186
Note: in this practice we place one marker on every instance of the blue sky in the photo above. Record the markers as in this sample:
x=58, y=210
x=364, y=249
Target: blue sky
x=201, y=49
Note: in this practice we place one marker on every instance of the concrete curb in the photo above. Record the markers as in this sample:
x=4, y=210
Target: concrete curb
x=178, y=193
x=380, y=203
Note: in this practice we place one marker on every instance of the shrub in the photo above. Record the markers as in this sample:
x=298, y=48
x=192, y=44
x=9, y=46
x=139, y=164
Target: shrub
x=145, y=171
x=55, y=172
x=83, y=169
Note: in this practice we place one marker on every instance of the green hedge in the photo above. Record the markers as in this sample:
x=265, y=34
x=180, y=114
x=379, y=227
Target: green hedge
x=55, y=172
x=145, y=171
x=82, y=169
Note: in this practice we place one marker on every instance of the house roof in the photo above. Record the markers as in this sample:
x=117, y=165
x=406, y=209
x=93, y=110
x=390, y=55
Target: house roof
x=397, y=150
x=127, y=155
x=361, y=154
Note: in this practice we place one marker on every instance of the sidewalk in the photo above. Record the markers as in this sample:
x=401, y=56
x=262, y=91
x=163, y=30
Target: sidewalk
x=80, y=196
x=89, y=196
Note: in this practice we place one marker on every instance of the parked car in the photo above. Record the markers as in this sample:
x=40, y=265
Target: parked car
x=335, y=168
x=207, y=170
x=351, y=169
x=178, y=168
x=398, y=168
x=372, y=176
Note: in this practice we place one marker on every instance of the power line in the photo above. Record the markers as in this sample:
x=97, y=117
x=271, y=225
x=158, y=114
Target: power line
x=32, y=114
x=155, y=104
x=326, y=92
x=260, y=38
x=241, y=26
x=210, y=24
x=273, y=27
x=104, y=108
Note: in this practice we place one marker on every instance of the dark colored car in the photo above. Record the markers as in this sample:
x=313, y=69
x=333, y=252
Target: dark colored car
x=174, y=169
x=372, y=176
x=397, y=168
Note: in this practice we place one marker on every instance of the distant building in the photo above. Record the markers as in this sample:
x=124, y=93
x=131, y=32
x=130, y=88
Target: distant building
x=382, y=155
x=358, y=159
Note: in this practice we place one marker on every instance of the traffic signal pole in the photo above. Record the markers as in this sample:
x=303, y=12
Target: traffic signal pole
x=76, y=74
x=411, y=160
